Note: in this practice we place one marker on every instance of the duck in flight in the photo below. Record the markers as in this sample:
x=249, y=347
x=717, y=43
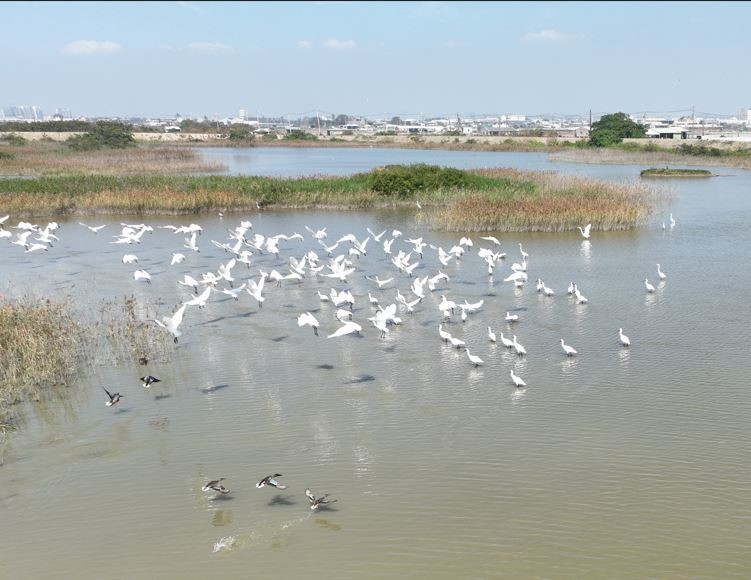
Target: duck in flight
x=316, y=502
x=148, y=380
x=215, y=485
x=114, y=398
x=271, y=480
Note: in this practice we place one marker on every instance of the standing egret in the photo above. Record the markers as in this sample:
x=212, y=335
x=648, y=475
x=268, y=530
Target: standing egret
x=660, y=274
x=520, y=350
x=511, y=317
x=506, y=342
x=517, y=380
x=648, y=286
x=491, y=335
x=623, y=338
x=569, y=350
x=672, y=221
x=475, y=360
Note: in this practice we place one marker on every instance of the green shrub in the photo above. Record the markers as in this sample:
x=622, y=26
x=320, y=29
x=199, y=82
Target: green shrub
x=406, y=180
x=297, y=135
x=111, y=134
x=6, y=156
x=13, y=139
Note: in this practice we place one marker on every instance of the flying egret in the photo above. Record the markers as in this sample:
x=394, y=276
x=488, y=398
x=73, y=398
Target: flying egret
x=517, y=380
x=569, y=350
x=585, y=231
x=94, y=229
x=130, y=259
x=348, y=327
x=308, y=319
x=172, y=323
x=142, y=275
x=623, y=338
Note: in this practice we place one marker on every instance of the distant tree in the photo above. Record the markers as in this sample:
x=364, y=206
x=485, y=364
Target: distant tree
x=113, y=134
x=240, y=132
x=396, y=121
x=613, y=128
x=340, y=120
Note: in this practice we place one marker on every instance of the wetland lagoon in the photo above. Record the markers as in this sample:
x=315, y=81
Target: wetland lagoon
x=616, y=462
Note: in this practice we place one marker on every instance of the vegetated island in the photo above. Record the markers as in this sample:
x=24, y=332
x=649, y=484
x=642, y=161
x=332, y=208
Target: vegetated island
x=502, y=200
x=672, y=172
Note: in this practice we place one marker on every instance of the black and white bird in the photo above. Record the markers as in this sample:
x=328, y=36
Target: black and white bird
x=316, y=502
x=148, y=380
x=215, y=485
x=271, y=480
x=114, y=398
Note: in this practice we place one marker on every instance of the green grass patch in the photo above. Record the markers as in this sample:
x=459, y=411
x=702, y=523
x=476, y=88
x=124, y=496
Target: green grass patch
x=670, y=172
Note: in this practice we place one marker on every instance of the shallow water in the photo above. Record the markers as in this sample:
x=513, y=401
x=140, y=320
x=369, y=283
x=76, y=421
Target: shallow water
x=617, y=462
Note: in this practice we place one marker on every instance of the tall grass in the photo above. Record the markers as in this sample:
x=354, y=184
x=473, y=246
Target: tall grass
x=42, y=158
x=39, y=343
x=544, y=201
x=43, y=345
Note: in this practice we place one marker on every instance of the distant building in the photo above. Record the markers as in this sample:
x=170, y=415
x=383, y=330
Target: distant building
x=744, y=115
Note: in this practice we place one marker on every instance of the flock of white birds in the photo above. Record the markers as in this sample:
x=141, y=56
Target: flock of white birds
x=337, y=261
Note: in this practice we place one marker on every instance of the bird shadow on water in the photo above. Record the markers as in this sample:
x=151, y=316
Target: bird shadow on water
x=325, y=367
x=280, y=499
x=279, y=338
x=359, y=379
x=214, y=388
x=327, y=525
x=160, y=397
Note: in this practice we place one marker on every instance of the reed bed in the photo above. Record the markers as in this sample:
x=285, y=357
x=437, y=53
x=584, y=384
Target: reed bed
x=544, y=202
x=39, y=347
x=43, y=345
x=650, y=158
x=500, y=199
x=42, y=158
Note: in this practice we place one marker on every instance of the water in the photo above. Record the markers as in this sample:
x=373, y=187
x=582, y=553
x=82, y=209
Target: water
x=617, y=462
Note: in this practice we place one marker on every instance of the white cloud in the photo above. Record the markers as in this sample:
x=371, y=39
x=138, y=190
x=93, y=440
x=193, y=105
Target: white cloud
x=304, y=44
x=91, y=47
x=210, y=47
x=338, y=44
x=544, y=36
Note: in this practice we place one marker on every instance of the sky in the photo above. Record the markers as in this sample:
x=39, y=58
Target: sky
x=375, y=59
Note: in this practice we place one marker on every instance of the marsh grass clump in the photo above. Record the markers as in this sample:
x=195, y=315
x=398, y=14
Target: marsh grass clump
x=406, y=180
x=546, y=202
x=39, y=347
x=123, y=333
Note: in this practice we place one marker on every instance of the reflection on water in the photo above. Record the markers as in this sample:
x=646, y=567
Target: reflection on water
x=614, y=462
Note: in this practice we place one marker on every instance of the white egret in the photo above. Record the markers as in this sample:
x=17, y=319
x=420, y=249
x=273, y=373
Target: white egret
x=142, y=275
x=172, y=323
x=446, y=336
x=508, y=343
x=348, y=327
x=660, y=274
x=672, y=221
x=520, y=350
x=585, y=231
x=475, y=360
x=648, y=286
x=94, y=229
x=201, y=299
x=623, y=338
x=130, y=259
x=457, y=342
x=569, y=350
x=511, y=317
x=308, y=319
x=517, y=380
x=177, y=258
x=491, y=335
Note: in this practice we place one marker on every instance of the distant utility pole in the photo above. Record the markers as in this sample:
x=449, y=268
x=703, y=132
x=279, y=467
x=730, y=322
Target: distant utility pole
x=590, y=121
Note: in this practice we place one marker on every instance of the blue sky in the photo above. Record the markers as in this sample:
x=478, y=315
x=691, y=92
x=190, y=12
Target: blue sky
x=375, y=58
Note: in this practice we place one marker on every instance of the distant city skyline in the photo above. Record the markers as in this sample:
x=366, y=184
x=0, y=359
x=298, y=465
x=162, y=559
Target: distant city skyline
x=375, y=59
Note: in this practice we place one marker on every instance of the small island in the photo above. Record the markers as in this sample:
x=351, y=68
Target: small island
x=668, y=172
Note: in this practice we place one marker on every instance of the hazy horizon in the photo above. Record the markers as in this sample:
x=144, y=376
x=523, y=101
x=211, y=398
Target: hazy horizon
x=158, y=59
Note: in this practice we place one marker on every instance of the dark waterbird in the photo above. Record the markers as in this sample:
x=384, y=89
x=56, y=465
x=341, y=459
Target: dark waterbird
x=114, y=398
x=316, y=502
x=148, y=380
x=271, y=481
x=215, y=485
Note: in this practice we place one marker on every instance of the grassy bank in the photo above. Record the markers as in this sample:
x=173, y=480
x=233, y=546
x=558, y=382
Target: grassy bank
x=452, y=199
x=39, y=158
